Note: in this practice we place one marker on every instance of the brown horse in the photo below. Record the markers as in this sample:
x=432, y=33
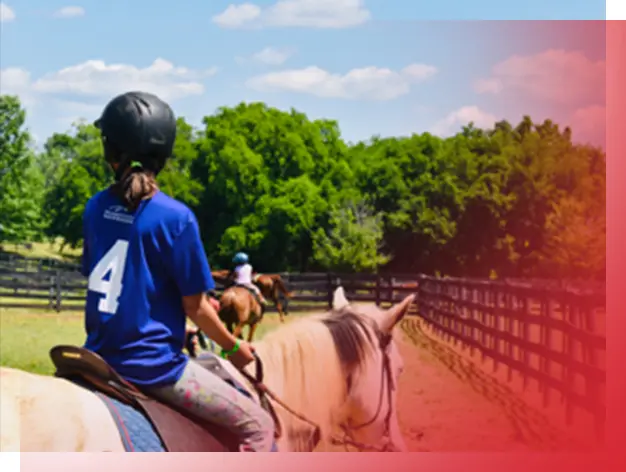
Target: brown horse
x=238, y=308
x=272, y=287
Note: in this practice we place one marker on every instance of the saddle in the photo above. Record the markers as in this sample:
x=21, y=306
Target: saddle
x=179, y=431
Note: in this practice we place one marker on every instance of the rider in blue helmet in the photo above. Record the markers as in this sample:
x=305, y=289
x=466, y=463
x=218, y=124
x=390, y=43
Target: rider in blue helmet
x=242, y=273
x=241, y=258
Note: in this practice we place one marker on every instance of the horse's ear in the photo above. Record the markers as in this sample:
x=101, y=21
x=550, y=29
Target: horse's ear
x=339, y=299
x=392, y=316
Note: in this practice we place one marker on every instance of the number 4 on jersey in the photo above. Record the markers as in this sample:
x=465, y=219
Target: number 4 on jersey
x=113, y=261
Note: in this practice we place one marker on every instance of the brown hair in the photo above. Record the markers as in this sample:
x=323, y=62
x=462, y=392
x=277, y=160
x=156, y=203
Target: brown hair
x=135, y=185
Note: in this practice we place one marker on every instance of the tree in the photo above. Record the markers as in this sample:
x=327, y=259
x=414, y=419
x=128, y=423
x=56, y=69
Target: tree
x=80, y=173
x=576, y=242
x=353, y=242
x=514, y=200
x=20, y=181
x=269, y=177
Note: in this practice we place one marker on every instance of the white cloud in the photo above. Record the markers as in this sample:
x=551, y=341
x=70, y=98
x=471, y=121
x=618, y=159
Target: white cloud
x=237, y=15
x=589, y=125
x=493, y=86
x=453, y=123
x=419, y=71
x=295, y=13
x=69, y=12
x=268, y=56
x=83, y=89
x=69, y=112
x=556, y=75
x=272, y=56
x=97, y=79
x=368, y=83
x=6, y=13
x=14, y=80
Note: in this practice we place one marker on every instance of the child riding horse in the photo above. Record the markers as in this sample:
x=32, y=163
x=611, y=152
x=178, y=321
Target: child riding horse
x=241, y=275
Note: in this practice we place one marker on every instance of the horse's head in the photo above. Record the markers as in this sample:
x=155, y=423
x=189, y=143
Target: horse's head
x=373, y=366
x=340, y=370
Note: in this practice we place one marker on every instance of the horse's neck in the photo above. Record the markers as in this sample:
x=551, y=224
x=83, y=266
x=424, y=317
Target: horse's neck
x=306, y=376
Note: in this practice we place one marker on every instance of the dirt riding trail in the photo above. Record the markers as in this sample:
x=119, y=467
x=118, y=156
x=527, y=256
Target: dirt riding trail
x=447, y=403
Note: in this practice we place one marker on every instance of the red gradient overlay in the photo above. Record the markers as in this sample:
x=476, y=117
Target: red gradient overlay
x=438, y=413
x=327, y=462
x=616, y=252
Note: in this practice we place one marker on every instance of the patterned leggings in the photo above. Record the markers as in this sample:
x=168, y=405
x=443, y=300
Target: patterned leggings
x=208, y=397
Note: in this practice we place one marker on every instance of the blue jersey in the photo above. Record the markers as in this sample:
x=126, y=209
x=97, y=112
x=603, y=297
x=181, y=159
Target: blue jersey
x=139, y=266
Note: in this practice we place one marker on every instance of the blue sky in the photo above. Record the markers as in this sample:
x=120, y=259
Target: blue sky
x=376, y=66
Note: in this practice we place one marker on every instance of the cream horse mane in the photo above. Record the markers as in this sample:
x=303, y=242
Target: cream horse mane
x=306, y=364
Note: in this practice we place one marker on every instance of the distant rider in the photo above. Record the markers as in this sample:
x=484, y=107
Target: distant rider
x=242, y=275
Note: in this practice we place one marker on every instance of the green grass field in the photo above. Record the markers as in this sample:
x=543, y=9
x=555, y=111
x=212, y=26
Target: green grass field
x=26, y=336
x=45, y=251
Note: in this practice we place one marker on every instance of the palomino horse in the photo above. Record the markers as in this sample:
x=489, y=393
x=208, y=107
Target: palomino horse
x=339, y=370
x=272, y=287
x=238, y=308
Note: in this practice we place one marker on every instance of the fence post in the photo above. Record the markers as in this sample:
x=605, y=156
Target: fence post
x=58, y=285
x=377, y=289
x=52, y=297
x=329, y=289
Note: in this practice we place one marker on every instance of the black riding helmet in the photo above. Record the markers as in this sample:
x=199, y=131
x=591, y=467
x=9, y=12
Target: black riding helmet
x=137, y=127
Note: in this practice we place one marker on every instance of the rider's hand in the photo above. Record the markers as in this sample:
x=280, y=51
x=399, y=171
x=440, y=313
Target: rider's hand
x=243, y=356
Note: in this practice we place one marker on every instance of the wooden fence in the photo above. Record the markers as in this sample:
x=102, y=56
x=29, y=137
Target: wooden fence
x=40, y=283
x=550, y=333
x=33, y=284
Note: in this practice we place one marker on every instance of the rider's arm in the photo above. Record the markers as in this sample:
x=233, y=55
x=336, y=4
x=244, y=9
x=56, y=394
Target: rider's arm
x=204, y=316
x=190, y=269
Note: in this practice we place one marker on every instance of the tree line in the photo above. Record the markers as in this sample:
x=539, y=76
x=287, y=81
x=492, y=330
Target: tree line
x=515, y=200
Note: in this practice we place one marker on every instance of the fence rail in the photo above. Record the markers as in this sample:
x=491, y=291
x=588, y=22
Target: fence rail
x=550, y=332
x=554, y=335
x=30, y=285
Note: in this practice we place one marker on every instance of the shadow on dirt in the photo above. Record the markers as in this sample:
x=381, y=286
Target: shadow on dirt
x=531, y=427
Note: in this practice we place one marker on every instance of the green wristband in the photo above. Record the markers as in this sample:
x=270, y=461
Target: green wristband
x=226, y=353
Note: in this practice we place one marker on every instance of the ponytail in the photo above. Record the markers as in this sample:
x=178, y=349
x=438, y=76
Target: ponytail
x=134, y=185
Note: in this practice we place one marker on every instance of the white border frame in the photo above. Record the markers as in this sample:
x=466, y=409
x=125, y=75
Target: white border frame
x=10, y=461
x=615, y=10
